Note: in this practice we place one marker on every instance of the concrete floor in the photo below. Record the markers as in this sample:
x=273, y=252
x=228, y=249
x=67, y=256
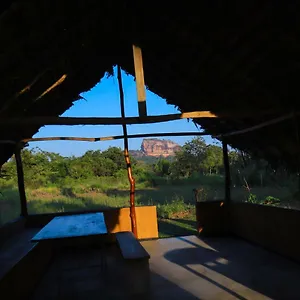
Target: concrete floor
x=219, y=268
x=180, y=268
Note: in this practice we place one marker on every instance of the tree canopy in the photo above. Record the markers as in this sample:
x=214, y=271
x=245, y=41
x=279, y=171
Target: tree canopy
x=193, y=159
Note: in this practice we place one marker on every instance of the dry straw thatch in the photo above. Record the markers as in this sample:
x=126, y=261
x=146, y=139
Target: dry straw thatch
x=242, y=59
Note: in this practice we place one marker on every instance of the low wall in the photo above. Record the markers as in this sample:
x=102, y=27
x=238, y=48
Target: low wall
x=11, y=228
x=146, y=218
x=116, y=219
x=211, y=218
x=274, y=228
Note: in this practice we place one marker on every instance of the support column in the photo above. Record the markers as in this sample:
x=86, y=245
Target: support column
x=227, y=189
x=296, y=123
x=127, y=159
x=227, y=173
x=21, y=185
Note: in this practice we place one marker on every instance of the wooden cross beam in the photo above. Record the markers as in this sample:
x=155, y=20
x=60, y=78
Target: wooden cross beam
x=105, y=138
x=104, y=120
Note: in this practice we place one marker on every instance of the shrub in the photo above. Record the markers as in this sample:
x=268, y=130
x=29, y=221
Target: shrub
x=168, y=209
x=68, y=192
x=271, y=200
x=252, y=198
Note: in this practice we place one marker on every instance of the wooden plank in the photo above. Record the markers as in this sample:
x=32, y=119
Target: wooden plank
x=72, y=226
x=105, y=120
x=140, y=82
x=130, y=246
x=21, y=184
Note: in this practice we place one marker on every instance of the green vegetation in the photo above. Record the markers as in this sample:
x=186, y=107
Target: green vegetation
x=99, y=180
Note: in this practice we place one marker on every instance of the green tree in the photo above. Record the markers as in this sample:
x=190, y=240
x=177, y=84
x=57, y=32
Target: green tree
x=162, y=167
x=104, y=166
x=80, y=169
x=189, y=159
x=213, y=160
x=8, y=171
x=116, y=155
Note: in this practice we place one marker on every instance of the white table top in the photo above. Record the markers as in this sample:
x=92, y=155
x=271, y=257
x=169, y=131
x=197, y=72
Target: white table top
x=72, y=226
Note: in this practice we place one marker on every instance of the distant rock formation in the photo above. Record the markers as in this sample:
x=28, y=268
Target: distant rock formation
x=136, y=153
x=156, y=147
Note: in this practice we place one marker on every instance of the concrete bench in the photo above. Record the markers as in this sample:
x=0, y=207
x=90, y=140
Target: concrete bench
x=136, y=264
x=21, y=264
x=130, y=247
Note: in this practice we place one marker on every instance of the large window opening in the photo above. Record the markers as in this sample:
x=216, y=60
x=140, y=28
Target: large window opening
x=256, y=181
x=170, y=172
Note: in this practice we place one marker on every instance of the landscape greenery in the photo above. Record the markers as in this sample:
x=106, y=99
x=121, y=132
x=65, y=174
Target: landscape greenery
x=98, y=179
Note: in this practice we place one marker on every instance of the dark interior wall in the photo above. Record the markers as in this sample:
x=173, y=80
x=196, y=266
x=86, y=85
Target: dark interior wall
x=276, y=229
x=210, y=217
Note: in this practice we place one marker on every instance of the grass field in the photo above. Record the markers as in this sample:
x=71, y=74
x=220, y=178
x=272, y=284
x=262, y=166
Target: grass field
x=175, y=202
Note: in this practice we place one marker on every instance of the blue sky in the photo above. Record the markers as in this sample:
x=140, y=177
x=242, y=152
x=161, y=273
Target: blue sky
x=103, y=101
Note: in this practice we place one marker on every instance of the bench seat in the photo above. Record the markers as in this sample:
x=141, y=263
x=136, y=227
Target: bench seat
x=21, y=264
x=136, y=270
x=130, y=247
x=14, y=249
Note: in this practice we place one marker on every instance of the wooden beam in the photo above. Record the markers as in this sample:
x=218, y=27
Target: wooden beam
x=53, y=86
x=127, y=159
x=105, y=120
x=107, y=138
x=140, y=82
x=256, y=127
x=8, y=142
x=21, y=185
x=21, y=92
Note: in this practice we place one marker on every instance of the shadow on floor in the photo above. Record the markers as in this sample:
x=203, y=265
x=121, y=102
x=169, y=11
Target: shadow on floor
x=161, y=289
x=79, y=273
x=251, y=266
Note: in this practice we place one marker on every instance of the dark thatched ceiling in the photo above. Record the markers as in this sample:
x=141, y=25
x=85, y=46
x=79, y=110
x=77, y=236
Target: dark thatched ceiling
x=211, y=55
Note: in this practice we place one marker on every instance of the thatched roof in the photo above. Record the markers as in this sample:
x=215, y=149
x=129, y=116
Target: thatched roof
x=241, y=58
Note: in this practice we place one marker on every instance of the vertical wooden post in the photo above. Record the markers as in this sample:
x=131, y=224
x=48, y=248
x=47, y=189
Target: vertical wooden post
x=140, y=82
x=298, y=148
x=227, y=223
x=21, y=185
x=227, y=173
x=127, y=159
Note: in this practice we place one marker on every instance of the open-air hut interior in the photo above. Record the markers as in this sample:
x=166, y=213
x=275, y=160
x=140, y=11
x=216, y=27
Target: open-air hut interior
x=234, y=66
